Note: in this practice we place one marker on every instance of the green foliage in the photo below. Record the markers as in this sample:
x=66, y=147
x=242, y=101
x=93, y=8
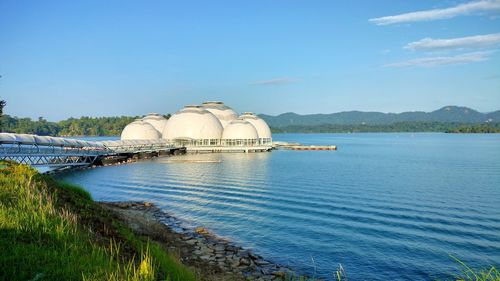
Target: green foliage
x=84, y=126
x=74, y=189
x=395, y=127
x=340, y=274
x=2, y=105
x=470, y=274
x=45, y=234
x=478, y=128
x=176, y=272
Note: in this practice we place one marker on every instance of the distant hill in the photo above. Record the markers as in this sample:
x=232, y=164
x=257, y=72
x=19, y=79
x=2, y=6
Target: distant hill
x=447, y=119
x=447, y=114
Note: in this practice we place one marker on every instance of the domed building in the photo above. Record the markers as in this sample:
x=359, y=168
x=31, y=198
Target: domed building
x=223, y=112
x=193, y=126
x=140, y=130
x=240, y=133
x=263, y=130
x=211, y=127
x=156, y=120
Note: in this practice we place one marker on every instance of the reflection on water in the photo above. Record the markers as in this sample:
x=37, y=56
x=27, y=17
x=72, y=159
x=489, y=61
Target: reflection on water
x=386, y=206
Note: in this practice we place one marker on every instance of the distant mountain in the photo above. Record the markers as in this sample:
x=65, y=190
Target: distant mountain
x=494, y=116
x=447, y=114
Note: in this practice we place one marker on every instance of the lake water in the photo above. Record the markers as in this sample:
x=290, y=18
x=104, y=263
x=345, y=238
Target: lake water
x=385, y=206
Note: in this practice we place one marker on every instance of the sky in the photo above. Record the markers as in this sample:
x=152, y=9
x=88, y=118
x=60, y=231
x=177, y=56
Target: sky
x=61, y=59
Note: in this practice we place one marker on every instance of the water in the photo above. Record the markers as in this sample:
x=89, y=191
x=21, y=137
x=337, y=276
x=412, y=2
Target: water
x=385, y=206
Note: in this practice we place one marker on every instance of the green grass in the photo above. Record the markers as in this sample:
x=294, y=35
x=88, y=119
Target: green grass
x=84, y=194
x=470, y=274
x=54, y=231
x=163, y=259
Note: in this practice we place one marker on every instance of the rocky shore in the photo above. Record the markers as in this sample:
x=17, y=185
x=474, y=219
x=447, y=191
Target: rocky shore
x=212, y=256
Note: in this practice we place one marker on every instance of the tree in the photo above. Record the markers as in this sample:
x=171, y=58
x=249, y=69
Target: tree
x=2, y=105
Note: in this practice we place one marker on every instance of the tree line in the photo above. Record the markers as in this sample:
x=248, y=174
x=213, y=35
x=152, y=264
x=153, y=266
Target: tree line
x=410, y=126
x=84, y=126
x=112, y=126
x=2, y=105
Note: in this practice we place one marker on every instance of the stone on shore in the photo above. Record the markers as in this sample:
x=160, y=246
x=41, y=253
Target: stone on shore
x=198, y=246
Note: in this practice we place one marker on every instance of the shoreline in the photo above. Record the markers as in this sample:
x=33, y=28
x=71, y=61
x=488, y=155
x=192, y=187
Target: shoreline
x=216, y=257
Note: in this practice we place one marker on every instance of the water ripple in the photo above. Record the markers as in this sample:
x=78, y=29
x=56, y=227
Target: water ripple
x=386, y=206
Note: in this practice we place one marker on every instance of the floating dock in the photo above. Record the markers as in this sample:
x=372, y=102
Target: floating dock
x=298, y=146
x=310, y=147
x=220, y=148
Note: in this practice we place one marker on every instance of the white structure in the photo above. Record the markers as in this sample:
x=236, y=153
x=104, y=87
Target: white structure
x=211, y=127
x=156, y=120
x=140, y=130
x=223, y=112
x=193, y=125
x=261, y=126
x=240, y=133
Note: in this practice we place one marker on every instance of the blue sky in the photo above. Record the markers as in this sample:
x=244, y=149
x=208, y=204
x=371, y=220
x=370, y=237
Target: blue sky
x=105, y=58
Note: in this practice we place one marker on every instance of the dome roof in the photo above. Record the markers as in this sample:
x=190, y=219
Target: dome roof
x=259, y=124
x=156, y=120
x=140, y=130
x=223, y=112
x=192, y=122
x=240, y=129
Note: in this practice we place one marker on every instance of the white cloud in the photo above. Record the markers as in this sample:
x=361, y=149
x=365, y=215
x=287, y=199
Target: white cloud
x=276, y=81
x=447, y=60
x=437, y=14
x=478, y=41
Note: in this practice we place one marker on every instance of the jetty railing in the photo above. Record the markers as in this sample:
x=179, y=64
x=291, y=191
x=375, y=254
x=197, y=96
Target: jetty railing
x=62, y=152
x=137, y=146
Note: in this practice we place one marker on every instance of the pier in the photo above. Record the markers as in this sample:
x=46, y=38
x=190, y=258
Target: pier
x=58, y=153
x=310, y=147
x=229, y=148
x=298, y=146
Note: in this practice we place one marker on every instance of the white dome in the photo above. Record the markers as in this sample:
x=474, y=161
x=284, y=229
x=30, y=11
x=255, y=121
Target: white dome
x=223, y=112
x=259, y=124
x=140, y=130
x=192, y=122
x=240, y=129
x=156, y=120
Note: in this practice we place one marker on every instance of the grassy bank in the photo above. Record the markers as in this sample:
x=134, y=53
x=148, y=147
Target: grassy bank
x=54, y=231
